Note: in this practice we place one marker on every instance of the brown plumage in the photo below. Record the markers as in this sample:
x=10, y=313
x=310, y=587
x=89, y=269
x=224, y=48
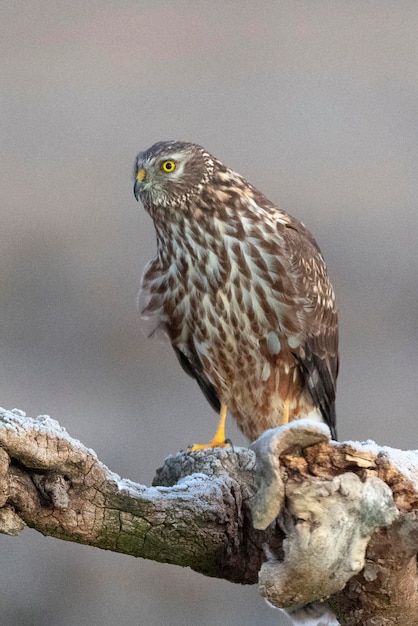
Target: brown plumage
x=240, y=288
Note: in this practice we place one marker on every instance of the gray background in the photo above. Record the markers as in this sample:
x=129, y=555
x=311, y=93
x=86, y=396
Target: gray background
x=315, y=103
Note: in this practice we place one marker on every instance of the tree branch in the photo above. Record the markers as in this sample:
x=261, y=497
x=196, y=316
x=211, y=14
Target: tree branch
x=306, y=518
x=54, y=484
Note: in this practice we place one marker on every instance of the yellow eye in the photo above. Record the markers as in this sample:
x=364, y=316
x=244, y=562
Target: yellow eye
x=168, y=166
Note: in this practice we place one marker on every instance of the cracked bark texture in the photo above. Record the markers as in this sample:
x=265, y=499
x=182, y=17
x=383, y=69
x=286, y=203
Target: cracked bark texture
x=306, y=518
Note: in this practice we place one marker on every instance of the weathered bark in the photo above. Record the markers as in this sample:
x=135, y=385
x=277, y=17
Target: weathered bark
x=307, y=519
x=54, y=484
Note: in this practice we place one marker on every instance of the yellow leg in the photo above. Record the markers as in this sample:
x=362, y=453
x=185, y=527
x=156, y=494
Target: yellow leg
x=218, y=440
x=286, y=412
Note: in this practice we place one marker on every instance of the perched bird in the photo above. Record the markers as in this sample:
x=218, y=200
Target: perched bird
x=241, y=289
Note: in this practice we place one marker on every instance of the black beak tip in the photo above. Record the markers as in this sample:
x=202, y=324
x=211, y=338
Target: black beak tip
x=136, y=191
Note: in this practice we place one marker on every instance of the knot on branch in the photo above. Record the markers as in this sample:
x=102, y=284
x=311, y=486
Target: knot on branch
x=328, y=522
x=234, y=463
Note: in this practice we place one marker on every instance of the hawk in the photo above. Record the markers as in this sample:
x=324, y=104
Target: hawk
x=241, y=289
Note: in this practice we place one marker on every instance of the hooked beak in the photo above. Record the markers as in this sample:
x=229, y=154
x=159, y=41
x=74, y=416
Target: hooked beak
x=139, y=178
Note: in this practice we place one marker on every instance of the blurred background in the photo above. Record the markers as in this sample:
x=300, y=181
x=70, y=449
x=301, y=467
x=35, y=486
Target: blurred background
x=316, y=103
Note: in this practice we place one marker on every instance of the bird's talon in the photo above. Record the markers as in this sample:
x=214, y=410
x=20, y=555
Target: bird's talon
x=212, y=444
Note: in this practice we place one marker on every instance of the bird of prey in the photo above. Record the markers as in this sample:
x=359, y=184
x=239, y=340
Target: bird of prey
x=241, y=290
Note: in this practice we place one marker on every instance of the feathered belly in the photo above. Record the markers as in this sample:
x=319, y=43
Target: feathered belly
x=232, y=343
x=240, y=333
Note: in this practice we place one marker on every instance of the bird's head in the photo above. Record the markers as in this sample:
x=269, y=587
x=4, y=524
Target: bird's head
x=170, y=172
